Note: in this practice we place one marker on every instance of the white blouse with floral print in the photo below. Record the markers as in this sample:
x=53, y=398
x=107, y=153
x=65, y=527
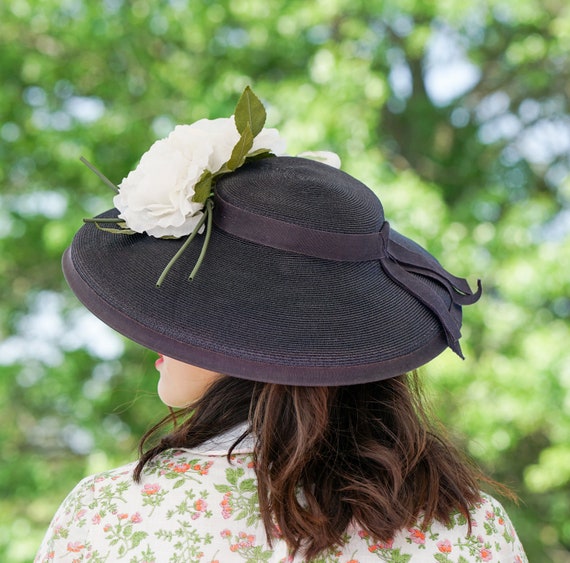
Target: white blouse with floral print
x=192, y=506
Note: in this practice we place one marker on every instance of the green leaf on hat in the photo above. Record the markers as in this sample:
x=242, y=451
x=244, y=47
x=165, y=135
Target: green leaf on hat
x=259, y=154
x=241, y=150
x=121, y=227
x=203, y=188
x=120, y=231
x=249, y=111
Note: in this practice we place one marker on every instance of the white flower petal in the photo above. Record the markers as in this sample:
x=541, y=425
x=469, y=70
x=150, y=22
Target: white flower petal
x=326, y=157
x=271, y=140
x=222, y=136
x=156, y=197
x=176, y=230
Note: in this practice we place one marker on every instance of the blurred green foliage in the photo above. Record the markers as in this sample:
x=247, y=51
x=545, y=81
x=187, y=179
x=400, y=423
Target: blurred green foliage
x=456, y=112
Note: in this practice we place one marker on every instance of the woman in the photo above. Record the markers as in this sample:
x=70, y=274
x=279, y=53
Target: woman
x=292, y=351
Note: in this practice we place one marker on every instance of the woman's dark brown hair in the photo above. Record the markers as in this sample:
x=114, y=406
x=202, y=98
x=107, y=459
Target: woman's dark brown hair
x=329, y=456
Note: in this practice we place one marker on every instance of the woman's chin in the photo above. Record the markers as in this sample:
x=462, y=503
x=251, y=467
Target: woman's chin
x=170, y=397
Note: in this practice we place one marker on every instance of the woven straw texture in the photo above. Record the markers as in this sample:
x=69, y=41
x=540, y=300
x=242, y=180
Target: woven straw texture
x=258, y=312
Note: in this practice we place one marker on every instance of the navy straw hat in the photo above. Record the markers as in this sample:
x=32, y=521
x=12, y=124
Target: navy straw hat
x=303, y=283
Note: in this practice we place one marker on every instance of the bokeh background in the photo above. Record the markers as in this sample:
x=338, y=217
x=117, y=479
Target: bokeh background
x=455, y=112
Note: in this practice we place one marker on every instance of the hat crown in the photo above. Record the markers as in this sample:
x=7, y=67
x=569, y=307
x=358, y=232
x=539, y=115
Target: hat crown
x=264, y=306
x=305, y=193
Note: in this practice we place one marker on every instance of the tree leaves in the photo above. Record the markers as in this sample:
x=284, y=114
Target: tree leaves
x=434, y=176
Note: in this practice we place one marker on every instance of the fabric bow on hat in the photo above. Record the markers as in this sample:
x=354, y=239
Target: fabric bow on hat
x=398, y=262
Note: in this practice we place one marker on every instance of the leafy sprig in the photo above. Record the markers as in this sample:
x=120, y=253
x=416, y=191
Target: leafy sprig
x=249, y=116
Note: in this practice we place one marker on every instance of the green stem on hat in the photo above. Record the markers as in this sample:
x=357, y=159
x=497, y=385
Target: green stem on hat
x=100, y=174
x=103, y=220
x=122, y=226
x=190, y=238
x=209, y=214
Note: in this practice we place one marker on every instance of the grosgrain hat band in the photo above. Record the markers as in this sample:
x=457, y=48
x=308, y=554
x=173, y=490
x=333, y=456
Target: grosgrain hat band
x=398, y=262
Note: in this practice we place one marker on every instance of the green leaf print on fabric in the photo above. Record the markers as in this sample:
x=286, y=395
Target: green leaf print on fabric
x=192, y=505
x=213, y=517
x=188, y=544
x=240, y=495
x=144, y=557
x=153, y=496
x=123, y=533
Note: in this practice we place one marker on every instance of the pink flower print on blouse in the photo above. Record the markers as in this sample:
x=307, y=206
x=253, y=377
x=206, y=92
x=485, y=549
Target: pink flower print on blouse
x=226, y=505
x=378, y=546
x=191, y=466
x=200, y=507
x=181, y=468
x=153, y=496
x=220, y=509
x=203, y=469
x=136, y=518
x=75, y=547
x=244, y=544
x=417, y=536
x=151, y=489
x=80, y=514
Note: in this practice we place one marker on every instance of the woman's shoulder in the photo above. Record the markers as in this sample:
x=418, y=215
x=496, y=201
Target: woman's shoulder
x=178, y=487
x=489, y=508
x=169, y=466
x=490, y=519
x=492, y=538
x=209, y=503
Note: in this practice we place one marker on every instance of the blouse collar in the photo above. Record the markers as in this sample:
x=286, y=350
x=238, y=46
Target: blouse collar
x=220, y=445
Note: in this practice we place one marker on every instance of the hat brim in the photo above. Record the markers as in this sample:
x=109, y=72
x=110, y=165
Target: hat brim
x=253, y=311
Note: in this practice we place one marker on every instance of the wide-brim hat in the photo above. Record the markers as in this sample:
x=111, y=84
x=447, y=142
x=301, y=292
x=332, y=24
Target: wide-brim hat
x=303, y=283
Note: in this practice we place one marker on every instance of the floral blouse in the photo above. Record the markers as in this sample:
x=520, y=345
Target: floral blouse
x=192, y=506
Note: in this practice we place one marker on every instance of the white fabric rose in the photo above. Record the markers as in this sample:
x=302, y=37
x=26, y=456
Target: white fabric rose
x=269, y=139
x=156, y=197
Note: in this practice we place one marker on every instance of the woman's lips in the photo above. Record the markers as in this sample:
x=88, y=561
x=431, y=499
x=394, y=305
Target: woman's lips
x=159, y=361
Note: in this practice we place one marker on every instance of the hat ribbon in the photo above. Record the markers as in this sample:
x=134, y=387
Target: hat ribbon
x=400, y=263
x=397, y=261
